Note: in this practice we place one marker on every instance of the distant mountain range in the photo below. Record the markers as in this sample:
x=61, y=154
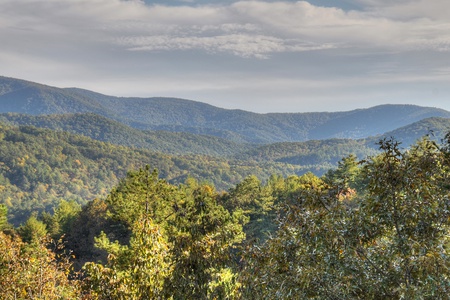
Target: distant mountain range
x=91, y=140
x=235, y=126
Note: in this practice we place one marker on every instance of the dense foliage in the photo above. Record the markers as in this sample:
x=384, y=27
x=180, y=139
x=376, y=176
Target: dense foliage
x=387, y=241
x=33, y=271
x=107, y=130
x=40, y=167
x=86, y=217
x=319, y=156
x=371, y=229
x=180, y=245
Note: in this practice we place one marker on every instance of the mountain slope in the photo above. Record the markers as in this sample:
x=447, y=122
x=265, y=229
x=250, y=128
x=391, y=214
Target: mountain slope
x=189, y=116
x=107, y=130
x=377, y=120
x=31, y=98
x=435, y=128
x=39, y=167
x=324, y=153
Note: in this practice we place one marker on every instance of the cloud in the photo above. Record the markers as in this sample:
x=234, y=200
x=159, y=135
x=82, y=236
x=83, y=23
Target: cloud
x=246, y=28
x=258, y=29
x=235, y=51
x=244, y=45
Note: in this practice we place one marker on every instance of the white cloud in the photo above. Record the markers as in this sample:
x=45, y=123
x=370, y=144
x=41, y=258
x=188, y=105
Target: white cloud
x=241, y=50
x=285, y=24
x=246, y=28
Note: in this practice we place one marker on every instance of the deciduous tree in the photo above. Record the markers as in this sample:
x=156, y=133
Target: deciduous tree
x=390, y=243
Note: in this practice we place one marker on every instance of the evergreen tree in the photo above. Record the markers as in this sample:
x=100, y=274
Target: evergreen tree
x=181, y=242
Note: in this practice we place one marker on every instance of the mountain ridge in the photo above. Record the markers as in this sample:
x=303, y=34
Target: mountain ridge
x=107, y=130
x=180, y=115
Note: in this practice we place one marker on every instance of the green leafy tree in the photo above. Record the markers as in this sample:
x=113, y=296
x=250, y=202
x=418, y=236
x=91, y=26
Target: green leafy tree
x=136, y=271
x=347, y=173
x=257, y=202
x=181, y=242
x=61, y=221
x=33, y=230
x=203, y=237
x=141, y=193
x=405, y=221
x=65, y=215
x=3, y=217
x=390, y=243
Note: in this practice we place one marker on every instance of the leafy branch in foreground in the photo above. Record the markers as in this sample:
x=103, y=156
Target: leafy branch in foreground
x=32, y=271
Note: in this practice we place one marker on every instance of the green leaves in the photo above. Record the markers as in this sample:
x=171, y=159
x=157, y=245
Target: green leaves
x=376, y=229
x=140, y=194
x=136, y=271
x=387, y=241
x=181, y=242
x=33, y=230
x=3, y=217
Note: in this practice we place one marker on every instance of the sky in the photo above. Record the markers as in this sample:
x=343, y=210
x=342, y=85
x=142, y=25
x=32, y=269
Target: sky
x=260, y=56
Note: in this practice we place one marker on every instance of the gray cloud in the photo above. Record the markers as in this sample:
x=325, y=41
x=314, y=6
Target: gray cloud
x=235, y=54
x=246, y=28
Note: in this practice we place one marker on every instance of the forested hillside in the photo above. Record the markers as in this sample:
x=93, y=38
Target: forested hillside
x=181, y=115
x=329, y=151
x=435, y=128
x=107, y=130
x=310, y=153
x=39, y=167
x=372, y=229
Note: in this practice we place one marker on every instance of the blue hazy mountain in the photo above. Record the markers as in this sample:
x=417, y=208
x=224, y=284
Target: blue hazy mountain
x=180, y=115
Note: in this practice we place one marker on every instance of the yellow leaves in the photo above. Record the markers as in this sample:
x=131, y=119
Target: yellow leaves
x=224, y=284
x=346, y=194
x=207, y=189
x=62, y=157
x=31, y=271
x=22, y=160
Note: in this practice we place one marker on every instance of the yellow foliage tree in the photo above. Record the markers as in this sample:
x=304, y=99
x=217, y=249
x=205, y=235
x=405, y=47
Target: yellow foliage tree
x=33, y=271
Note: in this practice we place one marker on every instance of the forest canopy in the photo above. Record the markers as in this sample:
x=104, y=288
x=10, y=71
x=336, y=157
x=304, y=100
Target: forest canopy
x=40, y=167
x=370, y=229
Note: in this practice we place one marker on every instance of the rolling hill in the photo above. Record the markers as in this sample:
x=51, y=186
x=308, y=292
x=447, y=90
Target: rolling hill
x=435, y=128
x=106, y=130
x=89, y=141
x=39, y=167
x=179, y=115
